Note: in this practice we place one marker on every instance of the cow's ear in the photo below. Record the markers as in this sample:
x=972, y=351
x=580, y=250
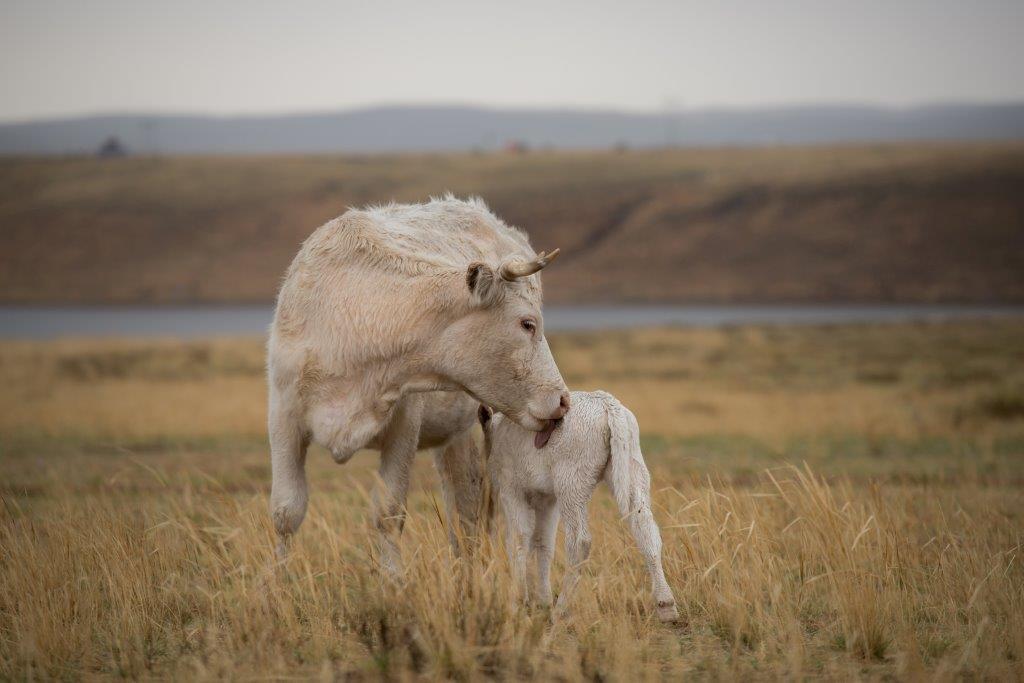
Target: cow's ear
x=484, y=284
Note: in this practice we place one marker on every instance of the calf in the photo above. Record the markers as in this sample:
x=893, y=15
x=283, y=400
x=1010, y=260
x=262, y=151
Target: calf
x=536, y=483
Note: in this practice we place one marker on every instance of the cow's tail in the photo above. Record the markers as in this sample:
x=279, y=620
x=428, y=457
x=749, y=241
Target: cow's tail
x=627, y=474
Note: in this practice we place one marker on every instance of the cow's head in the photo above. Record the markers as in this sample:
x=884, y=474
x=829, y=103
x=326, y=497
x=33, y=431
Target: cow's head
x=498, y=351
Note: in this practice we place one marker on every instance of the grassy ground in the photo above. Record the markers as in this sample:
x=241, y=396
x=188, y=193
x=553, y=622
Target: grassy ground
x=835, y=501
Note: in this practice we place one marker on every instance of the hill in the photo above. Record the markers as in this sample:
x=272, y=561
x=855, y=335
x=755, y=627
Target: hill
x=924, y=223
x=412, y=129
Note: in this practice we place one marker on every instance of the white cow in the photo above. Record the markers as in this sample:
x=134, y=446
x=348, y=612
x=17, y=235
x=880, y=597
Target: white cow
x=383, y=304
x=598, y=439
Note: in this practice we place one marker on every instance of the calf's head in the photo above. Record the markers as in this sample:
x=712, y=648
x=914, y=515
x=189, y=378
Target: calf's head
x=497, y=350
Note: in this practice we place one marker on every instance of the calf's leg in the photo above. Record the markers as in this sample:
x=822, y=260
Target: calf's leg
x=519, y=522
x=577, y=545
x=543, y=547
x=648, y=540
x=635, y=505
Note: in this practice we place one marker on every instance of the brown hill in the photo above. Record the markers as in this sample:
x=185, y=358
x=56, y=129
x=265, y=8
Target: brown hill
x=886, y=223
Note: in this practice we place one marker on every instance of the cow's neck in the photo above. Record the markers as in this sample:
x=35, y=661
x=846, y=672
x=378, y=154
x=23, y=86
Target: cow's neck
x=408, y=383
x=417, y=364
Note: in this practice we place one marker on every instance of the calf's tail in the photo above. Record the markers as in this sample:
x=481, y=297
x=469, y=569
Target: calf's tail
x=627, y=474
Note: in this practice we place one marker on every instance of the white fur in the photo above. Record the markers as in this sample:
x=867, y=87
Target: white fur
x=375, y=309
x=599, y=438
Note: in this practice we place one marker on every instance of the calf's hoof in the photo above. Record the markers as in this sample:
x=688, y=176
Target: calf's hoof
x=667, y=612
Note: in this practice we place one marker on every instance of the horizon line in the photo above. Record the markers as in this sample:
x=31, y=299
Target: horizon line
x=674, y=110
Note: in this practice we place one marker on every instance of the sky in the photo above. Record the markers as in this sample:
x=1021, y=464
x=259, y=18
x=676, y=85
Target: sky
x=70, y=57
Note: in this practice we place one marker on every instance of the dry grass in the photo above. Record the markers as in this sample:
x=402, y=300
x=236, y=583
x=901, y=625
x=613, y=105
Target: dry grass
x=134, y=538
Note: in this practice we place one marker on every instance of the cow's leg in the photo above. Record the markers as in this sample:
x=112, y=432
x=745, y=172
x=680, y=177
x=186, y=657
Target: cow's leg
x=458, y=466
x=288, y=492
x=543, y=544
x=398, y=450
x=519, y=522
x=577, y=544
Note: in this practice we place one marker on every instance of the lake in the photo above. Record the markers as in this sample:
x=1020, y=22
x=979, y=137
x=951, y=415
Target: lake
x=49, y=322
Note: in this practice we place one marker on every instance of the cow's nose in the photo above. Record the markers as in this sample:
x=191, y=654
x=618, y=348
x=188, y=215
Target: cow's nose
x=563, y=406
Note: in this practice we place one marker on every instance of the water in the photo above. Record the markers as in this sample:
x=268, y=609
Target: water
x=49, y=322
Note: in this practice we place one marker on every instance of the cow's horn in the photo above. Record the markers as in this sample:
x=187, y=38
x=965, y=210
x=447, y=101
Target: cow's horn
x=518, y=269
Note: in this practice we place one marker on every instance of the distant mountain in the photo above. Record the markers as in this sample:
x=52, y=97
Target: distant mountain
x=395, y=129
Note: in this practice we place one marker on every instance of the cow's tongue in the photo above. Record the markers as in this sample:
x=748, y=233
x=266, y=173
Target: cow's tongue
x=540, y=439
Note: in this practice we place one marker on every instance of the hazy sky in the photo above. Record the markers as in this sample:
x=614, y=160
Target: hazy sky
x=63, y=57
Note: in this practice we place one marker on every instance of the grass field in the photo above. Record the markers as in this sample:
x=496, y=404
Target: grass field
x=843, y=502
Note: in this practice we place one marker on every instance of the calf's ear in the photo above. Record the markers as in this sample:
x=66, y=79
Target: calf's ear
x=484, y=284
x=484, y=414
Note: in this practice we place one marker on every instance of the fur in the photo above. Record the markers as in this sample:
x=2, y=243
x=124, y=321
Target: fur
x=374, y=310
x=598, y=439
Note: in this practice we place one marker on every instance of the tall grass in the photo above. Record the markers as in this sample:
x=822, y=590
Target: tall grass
x=791, y=576
x=134, y=537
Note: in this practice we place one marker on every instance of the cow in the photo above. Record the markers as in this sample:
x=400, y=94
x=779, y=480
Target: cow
x=381, y=310
x=600, y=439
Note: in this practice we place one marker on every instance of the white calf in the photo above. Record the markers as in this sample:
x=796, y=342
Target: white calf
x=598, y=438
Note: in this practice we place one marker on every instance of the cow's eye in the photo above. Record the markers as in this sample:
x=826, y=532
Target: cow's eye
x=528, y=325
